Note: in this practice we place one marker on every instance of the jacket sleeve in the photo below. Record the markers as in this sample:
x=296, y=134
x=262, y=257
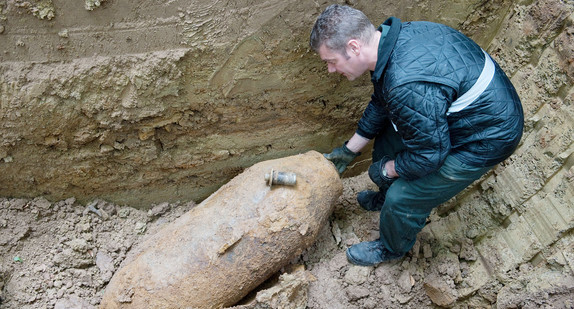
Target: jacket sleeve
x=373, y=119
x=418, y=110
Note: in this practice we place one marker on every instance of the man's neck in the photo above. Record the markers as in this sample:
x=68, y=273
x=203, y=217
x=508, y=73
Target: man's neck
x=373, y=50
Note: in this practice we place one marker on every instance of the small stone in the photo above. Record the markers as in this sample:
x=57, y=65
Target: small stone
x=140, y=227
x=357, y=274
x=124, y=212
x=468, y=251
x=90, y=5
x=338, y=262
x=336, y=231
x=406, y=281
x=455, y=248
x=440, y=293
x=355, y=293
x=78, y=245
x=158, y=210
x=106, y=148
x=416, y=249
x=427, y=251
x=64, y=33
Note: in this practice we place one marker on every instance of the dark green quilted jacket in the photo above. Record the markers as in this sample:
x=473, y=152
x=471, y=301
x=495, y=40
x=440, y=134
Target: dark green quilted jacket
x=422, y=68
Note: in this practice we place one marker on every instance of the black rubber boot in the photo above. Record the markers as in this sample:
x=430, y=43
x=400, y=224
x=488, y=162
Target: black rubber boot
x=370, y=253
x=371, y=200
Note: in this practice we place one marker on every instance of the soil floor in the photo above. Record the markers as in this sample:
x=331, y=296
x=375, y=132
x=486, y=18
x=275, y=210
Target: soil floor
x=62, y=255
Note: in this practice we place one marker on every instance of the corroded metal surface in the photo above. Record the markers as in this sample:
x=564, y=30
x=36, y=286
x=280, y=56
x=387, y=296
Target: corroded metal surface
x=219, y=251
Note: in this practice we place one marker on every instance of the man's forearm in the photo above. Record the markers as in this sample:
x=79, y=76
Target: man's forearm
x=391, y=171
x=357, y=142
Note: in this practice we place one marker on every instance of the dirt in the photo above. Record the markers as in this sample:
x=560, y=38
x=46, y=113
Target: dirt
x=81, y=85
x=62, y=255
x=104, y=99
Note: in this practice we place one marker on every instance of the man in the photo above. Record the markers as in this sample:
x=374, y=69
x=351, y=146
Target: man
x=442, y=114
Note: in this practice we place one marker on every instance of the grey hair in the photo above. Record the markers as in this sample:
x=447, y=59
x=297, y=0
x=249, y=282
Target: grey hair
x=337, y=25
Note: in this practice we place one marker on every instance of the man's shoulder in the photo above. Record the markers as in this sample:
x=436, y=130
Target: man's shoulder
x=426, y=30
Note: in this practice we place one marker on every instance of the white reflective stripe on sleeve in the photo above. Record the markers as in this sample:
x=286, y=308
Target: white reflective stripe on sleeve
x=477, y=89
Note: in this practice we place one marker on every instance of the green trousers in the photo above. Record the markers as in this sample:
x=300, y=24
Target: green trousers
x=409, y=203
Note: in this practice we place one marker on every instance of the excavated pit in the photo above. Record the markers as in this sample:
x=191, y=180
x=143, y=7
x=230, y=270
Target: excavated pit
x=116, y=117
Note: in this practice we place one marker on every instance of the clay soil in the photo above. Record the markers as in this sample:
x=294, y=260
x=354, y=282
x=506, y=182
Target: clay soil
x=62, y=255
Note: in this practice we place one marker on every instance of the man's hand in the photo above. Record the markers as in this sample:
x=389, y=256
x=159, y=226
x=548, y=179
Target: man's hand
x=341, y=157
x=376, y=174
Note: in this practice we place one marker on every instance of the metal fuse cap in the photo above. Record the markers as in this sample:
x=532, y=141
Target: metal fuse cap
x=280, y=178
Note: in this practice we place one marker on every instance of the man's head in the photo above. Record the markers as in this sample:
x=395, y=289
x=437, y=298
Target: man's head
x=338, y=36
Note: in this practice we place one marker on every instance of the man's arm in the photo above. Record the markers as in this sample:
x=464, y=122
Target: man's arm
x=357, y=142
x=390, y=167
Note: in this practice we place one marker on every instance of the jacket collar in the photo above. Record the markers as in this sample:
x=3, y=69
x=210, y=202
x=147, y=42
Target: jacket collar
x=386, y=45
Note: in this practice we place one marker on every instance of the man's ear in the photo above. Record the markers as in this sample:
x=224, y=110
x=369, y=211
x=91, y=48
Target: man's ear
x=354, y=47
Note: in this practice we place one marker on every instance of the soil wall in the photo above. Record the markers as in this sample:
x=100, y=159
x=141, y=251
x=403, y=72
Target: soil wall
x=140, y=102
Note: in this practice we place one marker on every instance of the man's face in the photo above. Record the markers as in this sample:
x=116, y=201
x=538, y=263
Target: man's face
x=348, y=66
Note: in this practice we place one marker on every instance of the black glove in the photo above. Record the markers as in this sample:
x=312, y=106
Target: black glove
x=376, y=174
x=341, y=157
